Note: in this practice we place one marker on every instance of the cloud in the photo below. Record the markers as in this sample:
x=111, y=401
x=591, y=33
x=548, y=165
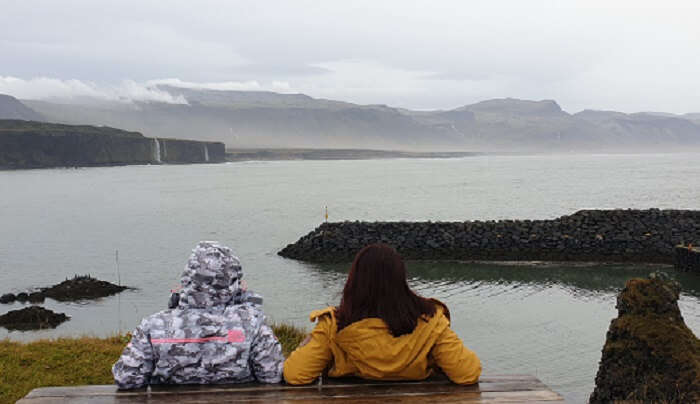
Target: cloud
x=127, y=91
x=251, y=85
x=42, y=88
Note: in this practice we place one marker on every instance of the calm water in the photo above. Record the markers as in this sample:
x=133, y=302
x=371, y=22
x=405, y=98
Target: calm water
x=547, y=320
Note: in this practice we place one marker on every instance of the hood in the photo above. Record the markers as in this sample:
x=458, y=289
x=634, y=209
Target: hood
x=211, y=277
x=369, y=346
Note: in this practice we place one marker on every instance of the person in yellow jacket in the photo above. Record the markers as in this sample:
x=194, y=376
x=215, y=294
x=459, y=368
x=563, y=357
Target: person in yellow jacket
x=382, y=330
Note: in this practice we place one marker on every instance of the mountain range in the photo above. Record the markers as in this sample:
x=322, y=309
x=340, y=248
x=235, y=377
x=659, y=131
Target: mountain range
x=243, y=119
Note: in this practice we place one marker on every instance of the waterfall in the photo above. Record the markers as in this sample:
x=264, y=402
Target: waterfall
x=156, y=151
x=206, y=153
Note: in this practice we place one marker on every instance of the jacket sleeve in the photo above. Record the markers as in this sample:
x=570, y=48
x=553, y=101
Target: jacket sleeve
x=135, y=366
x=266, y=357
x=307, y=362
x=458, y=362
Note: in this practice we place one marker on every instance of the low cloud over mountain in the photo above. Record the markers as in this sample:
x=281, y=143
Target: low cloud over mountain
x=270, y=119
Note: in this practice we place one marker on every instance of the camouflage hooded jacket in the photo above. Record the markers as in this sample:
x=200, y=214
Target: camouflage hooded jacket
x=216, y=334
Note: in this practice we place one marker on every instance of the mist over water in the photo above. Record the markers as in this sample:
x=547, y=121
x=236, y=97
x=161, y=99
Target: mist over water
x=546, y=319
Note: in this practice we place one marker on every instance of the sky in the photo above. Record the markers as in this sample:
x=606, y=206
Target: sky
x=615, y=55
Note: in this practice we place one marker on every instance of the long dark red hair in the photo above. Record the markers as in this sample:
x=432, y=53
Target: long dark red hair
x=377, y=287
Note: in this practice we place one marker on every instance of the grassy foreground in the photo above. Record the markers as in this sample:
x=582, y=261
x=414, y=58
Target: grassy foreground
x=78, y=361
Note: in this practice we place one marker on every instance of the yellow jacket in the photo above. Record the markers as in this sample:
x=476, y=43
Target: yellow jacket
x=368, y=350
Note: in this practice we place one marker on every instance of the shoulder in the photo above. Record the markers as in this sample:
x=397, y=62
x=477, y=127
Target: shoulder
x=316, y=314
x=156, y=321
x=441, y=308
x=327, y=313
x=246, y=313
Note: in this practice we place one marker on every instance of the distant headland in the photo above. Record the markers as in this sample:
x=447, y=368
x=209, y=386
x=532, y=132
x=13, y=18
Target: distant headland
x=31, y=144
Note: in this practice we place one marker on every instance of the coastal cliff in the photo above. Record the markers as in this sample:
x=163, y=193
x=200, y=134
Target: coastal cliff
x=588, y=235
x=29, y=144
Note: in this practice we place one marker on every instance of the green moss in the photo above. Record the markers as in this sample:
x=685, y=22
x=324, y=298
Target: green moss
x=650, y=354
x=78, y=361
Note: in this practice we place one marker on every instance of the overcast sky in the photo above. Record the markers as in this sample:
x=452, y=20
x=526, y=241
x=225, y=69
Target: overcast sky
x=629, y=56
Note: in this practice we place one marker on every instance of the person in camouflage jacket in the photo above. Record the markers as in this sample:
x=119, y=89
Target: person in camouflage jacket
x=214, y=333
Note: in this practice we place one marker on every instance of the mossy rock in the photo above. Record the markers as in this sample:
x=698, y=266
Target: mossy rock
x=81, y=288
x=32, y=318
x=650, y=355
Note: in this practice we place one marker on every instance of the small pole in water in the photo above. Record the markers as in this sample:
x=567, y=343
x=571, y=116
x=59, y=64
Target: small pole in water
x=119, y=296
x=326, y=215
x=116, y=260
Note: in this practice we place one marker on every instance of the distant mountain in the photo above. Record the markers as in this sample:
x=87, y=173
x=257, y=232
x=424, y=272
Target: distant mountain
x=267, y=119
x=642, y=130
x=12, y=108
x=693, y=117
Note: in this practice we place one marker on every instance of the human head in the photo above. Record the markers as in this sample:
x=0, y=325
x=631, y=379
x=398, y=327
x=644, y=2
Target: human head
x=377, y=287
x=211, y=277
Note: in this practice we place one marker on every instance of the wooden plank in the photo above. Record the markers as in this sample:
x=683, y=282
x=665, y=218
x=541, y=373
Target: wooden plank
x=542, y=396
x=493, y=388
x=487, y=383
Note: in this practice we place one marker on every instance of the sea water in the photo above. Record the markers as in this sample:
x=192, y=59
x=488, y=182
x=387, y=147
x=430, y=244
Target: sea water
x=548, y=320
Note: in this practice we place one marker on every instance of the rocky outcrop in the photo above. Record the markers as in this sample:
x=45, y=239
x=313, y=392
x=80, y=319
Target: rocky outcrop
x=74, y=289
x=32, y=318
x=650, y=355
x=587, y=235
x=28, y=144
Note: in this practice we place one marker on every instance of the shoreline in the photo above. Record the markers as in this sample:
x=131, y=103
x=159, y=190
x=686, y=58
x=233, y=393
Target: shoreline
x=283, y=154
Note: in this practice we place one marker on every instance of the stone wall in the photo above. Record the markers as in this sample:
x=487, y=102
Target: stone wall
x=587, y=235
x=27, y=144
x=687, y=259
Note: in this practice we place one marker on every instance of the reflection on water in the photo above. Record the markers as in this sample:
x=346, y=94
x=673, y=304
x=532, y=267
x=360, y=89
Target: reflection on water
x=544, y=319
x=581, y=279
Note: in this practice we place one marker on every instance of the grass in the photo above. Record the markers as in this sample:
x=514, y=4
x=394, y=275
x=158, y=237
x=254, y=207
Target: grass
x=78, y=361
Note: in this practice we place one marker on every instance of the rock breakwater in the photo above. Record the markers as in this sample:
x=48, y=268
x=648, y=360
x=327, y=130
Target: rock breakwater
x=687, y=258
x=618, y=235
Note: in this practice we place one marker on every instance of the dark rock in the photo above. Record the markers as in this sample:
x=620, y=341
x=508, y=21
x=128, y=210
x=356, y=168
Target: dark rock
x=650, y=355
x=82, y=287
x=22, y=297
x=32, y=318
x=36, y=297
x=7, y=298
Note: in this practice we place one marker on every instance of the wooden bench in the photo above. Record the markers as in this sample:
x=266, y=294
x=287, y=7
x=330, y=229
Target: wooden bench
x=494, y=388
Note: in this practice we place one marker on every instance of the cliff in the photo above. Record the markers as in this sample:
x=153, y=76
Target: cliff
x=587, y=235
x=650, y=355
x=28, y=144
